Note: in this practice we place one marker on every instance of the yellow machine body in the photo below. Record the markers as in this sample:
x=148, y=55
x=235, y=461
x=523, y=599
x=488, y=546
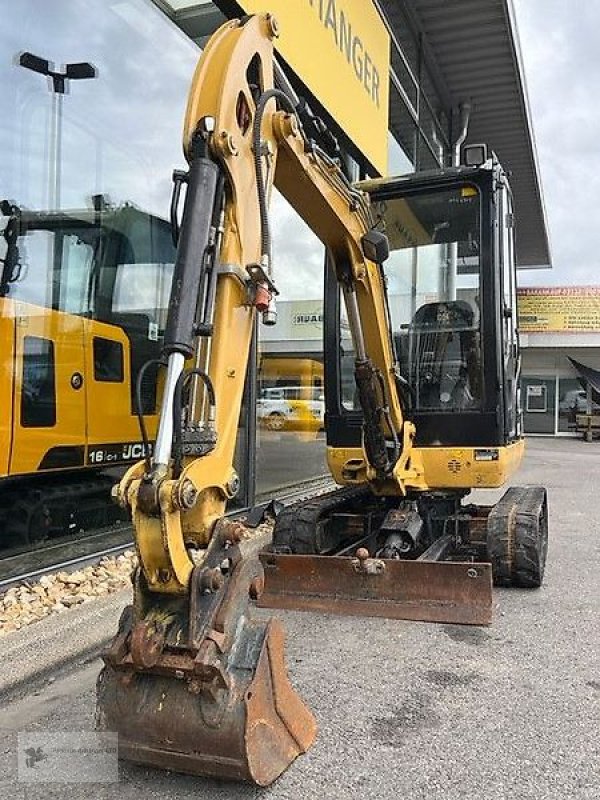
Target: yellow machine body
x=441, y=467
x=92, y=421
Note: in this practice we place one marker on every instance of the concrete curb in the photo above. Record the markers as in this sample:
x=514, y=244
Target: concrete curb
x=37, y=651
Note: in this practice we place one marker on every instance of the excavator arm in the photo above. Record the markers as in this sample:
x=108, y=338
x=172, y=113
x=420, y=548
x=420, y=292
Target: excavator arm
x=239, y=143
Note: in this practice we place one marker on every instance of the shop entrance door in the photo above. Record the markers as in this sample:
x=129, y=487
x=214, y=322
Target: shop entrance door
x=539, y=401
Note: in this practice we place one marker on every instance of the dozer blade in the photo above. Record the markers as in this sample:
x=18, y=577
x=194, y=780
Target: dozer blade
x=218, y=702
x=428, y=591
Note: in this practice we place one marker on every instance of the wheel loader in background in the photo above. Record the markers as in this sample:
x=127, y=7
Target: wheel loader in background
x=193, y=680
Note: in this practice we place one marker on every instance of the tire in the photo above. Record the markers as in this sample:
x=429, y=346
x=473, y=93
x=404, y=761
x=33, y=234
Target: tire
x=517, y=537
x=275, y=421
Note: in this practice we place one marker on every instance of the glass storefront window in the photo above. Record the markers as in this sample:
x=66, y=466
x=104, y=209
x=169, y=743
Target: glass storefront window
x=86, y=255
x=290, y=400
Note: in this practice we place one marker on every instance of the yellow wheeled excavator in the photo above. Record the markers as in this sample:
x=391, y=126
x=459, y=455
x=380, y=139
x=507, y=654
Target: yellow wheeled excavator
x=193, y=680
x=83, y=296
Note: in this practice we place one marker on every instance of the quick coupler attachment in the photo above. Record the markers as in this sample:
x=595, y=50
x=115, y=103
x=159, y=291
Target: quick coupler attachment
x=194, y=684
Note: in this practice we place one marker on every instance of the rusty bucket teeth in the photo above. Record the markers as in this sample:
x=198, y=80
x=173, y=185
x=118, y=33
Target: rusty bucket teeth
x=250, y=725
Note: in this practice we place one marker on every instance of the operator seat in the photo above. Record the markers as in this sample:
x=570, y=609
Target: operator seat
x=444, y=356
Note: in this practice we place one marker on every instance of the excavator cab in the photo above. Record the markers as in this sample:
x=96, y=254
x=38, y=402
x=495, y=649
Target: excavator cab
x=450, y=295
x=451, y=291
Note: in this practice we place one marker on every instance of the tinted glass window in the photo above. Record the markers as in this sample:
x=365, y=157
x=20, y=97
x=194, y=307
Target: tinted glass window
x=108, y=360
x=433, y=276
x=38, y=395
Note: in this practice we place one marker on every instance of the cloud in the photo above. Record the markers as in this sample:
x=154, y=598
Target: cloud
x=559, y=43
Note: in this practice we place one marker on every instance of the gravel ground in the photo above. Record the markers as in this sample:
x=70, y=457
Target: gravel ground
x=413, y=710
x=56, y=593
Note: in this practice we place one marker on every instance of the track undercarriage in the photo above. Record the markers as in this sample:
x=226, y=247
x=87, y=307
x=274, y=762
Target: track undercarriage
x=33, y=511
x=427, y=557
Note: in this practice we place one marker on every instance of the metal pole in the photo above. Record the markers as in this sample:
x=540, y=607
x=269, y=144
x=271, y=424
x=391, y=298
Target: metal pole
x=58, y=154
x=52, y=152
x=465, y=113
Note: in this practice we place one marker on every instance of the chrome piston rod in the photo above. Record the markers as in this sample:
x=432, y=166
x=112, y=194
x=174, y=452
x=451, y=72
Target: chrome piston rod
x=164, y=437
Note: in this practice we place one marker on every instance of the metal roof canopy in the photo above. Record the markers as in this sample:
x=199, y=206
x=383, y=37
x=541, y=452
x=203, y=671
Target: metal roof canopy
x=473, y=52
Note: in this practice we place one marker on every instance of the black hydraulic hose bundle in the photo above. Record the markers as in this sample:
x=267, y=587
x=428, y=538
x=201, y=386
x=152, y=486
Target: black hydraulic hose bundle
x=178, y=407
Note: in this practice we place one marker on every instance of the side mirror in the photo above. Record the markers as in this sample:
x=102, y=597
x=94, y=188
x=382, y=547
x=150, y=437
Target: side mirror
x=375, y=246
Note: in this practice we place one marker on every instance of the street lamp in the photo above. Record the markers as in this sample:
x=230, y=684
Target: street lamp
x=79, y=70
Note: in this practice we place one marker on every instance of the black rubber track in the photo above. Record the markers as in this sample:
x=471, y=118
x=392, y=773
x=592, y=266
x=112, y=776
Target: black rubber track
x=299, y=528
x=517, y=537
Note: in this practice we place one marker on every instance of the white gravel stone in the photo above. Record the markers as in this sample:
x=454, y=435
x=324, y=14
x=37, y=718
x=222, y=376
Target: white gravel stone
x=57, y=593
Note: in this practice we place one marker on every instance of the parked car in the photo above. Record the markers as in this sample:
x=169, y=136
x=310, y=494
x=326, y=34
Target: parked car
x=298, y=408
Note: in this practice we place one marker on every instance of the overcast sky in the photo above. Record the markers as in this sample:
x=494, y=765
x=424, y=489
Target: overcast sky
x=560, y=43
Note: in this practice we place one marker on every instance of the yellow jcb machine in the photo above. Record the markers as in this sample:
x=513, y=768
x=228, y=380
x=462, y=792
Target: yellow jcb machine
x=193, y=681
x=83, y=297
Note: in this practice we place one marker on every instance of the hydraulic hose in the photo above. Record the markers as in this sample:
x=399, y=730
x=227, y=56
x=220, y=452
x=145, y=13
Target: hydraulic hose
x=265, y=233
x=178, y=407
x=139, y=410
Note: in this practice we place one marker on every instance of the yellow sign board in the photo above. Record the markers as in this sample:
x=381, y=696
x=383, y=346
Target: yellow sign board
x=340, y=49
x=559, y=309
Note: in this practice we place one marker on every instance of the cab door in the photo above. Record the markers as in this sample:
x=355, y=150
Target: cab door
x=113, y=434
x=511, y=359
x=49, y=408
x=50, y=299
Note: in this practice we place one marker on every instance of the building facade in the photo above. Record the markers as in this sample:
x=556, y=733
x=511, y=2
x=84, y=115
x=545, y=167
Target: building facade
x=558, y=325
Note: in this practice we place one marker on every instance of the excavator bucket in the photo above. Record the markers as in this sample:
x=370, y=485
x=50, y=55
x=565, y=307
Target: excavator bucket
x=218, y=703
x=251, y=730
x=428, y=591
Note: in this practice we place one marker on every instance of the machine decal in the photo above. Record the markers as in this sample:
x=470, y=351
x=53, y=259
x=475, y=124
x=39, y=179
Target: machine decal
x=116, y=453
x=492, y=454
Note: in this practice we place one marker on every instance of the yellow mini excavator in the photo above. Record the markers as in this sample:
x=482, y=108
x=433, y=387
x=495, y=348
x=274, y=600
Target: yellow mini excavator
x=193, y=681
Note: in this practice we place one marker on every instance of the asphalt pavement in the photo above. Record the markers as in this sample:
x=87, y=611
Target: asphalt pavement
x=405, y=710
